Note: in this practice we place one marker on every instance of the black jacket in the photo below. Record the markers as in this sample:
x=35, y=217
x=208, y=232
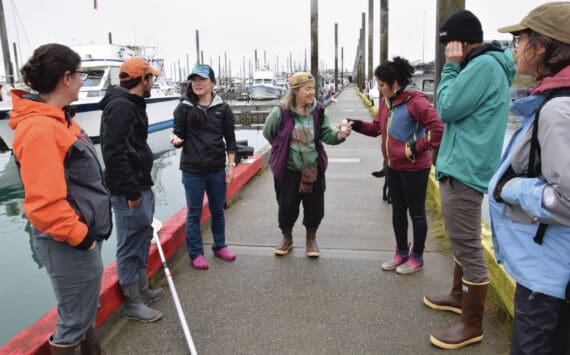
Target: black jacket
x=124, y=131
x=204, y=148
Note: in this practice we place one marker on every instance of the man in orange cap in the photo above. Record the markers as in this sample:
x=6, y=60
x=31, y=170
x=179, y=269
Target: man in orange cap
x=128, y=164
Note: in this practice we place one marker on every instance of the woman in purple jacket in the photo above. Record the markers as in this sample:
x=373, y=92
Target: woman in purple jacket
x=410, y=128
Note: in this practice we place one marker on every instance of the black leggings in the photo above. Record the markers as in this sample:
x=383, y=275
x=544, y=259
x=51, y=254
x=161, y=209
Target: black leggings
x=408, y=192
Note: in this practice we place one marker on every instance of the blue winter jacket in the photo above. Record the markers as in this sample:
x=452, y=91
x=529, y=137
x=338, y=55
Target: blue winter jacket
x=545, y=267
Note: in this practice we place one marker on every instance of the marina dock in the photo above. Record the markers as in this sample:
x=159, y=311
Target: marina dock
x=340, y=303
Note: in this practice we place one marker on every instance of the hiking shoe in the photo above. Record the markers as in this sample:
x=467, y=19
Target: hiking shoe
x=412, y=265
x=396, y=261
x=225, y=254
x=200, y=263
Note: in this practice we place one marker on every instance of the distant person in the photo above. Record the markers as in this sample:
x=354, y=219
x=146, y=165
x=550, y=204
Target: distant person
x=66, y=200
x=297, y=129
x=128, y=164
x=410, y=128
x=204, y=127
x=530, y=203
x=474, y=109
x=1, y=94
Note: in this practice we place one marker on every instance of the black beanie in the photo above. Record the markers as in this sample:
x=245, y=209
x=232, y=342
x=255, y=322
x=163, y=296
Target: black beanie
x=461, y=26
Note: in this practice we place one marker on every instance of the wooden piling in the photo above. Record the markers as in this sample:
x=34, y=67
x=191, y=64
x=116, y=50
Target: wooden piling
x=315, y=43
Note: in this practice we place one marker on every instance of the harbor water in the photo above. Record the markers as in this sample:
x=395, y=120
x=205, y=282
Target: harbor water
x=26, y=293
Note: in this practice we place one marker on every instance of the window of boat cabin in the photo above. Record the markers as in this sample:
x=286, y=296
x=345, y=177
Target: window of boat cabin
x=114, y=73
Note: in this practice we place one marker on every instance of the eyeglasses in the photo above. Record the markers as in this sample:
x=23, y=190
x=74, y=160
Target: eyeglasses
x=84, y=75
x=516, y=41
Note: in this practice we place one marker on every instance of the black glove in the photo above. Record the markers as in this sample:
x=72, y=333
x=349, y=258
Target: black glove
x=356, y=124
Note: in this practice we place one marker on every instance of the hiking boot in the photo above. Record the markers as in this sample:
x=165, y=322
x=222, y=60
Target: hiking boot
x=225, y=254
x=134, y=307
x=286, y=244
x=312, y=248
x=199, y=263
x=148, y=296
x=451, y=301
x=413, y=264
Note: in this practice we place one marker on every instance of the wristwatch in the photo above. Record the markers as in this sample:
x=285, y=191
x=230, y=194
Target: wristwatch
x=233, y=164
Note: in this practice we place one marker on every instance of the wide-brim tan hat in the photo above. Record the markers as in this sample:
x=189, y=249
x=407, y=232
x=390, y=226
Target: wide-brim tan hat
x=301, y=79
x=551, y=19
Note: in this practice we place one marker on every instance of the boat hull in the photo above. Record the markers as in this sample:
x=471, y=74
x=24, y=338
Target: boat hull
x=265, y=92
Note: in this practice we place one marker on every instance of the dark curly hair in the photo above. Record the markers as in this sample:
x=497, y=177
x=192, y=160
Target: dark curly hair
x=556, y=57
x=397, y=69
x=47, y=65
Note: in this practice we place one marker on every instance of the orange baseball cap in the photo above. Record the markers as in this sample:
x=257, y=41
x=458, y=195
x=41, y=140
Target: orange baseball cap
x=136, y=67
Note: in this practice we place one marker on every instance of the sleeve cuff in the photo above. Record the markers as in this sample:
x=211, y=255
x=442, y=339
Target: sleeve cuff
x=86, y=243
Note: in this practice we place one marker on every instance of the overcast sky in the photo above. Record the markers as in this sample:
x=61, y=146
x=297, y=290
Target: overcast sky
x=238, y=27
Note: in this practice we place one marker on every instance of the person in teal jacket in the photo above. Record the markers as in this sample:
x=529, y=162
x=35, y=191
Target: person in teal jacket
x=525, y=200
x=472, y=100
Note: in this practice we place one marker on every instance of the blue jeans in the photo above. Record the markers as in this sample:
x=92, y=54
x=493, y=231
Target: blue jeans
x=195, y=184
x=134, y=233
x=76, y=281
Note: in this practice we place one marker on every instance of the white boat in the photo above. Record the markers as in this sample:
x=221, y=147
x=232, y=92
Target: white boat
x=264, y=86
x=103, y=62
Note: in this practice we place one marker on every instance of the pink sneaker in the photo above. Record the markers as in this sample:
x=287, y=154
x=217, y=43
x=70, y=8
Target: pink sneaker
x=412, y=265
x=225, y=254
x=393, y=263
x=200, y=263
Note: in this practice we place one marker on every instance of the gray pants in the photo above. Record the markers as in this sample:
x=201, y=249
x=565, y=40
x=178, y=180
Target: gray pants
x=134, y=233
x=461, y=209
x=76, y=281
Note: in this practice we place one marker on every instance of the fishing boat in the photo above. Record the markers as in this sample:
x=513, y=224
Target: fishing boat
x=102, y=63
x=264, y=86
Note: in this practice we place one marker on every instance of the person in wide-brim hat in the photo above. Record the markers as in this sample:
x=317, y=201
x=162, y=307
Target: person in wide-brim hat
x=522, y=203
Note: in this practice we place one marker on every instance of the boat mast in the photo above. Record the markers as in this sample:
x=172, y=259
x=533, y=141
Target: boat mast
x=5, y=48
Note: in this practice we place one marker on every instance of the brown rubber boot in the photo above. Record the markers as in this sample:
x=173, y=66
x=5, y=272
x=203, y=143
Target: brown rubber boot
x=451, y=301
x=63, y=349
x=312, y=248
x=90, y=345
x=469, y=329
x=287, y=242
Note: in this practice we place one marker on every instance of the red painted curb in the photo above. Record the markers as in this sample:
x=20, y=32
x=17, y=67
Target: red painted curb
x=34, y=339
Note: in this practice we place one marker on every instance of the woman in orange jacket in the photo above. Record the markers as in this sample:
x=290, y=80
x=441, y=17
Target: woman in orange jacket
x=66, y=200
